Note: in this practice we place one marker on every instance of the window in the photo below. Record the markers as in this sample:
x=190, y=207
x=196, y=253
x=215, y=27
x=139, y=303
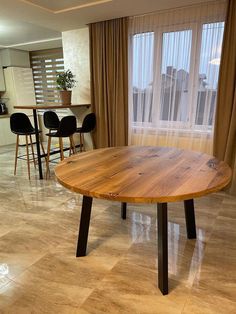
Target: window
x=175, y=68
x=208, y=74
x=143, y=76
x=45, y=65
x=175, y=75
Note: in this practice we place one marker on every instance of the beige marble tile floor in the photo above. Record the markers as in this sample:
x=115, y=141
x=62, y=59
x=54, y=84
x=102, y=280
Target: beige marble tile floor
x=39, y=272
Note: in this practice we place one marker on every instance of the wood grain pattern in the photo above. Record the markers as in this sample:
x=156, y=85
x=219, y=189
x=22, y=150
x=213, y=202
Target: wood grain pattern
x=38, y=107
x=143, y=174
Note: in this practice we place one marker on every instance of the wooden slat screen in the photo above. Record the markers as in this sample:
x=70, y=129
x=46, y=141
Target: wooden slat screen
x=45, y=65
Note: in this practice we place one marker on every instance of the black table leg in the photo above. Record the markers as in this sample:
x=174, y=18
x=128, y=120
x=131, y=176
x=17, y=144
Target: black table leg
x=162, y=247
x=84, y=226
x=190, y=219
x=123, y=210
x=37, y=143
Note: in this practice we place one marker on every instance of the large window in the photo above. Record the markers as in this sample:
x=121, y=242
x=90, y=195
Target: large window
x=175, y=73
x=143, y=73
x=208, y=74
x=45, y=65
x=175, y=69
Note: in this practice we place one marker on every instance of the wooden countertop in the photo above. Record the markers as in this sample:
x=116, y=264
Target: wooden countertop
x=38, y=107
x=143, y=174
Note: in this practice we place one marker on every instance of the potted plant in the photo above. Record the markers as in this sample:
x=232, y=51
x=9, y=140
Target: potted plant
x=65, y=82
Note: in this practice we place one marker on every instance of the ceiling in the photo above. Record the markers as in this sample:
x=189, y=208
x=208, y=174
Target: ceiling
x=37, y=24
x=56, y=7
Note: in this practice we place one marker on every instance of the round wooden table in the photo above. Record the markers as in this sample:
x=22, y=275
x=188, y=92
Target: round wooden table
x=143, y=175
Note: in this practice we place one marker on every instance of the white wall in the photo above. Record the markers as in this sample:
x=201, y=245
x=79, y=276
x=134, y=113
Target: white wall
x=76, y=58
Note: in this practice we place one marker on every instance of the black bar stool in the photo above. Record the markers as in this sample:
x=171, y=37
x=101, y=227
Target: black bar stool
x=88, y=126
x=67, y=128
x=20, y=125
x=51, y=120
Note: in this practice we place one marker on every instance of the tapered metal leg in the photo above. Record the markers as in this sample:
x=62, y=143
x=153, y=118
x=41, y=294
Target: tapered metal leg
x=84, y=226
x=162, y=247
x=190, y=219
x=123, y=210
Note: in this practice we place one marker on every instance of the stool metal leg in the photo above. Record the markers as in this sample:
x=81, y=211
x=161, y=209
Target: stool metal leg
x=37, y=144
x=48, y=156
x=27, y=154
x=16, y=154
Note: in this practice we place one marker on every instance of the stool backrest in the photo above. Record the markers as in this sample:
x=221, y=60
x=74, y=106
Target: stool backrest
x=51, y=120
x=20, y=123
x=67, y=126
x=89, y=123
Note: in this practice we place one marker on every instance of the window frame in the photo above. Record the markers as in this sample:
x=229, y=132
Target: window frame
x=196, y=41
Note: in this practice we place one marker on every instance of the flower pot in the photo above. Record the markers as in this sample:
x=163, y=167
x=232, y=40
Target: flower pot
x=65, y=97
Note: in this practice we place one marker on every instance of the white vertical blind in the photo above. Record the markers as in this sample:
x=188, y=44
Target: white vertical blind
x=45, y=65
x=173, y=75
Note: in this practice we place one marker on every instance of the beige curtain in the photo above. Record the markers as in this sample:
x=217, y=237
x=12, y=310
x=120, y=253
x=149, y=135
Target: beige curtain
x=109, y=81
x=225, y=122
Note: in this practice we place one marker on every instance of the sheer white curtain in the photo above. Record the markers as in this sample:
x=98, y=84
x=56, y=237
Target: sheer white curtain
x=174, y=58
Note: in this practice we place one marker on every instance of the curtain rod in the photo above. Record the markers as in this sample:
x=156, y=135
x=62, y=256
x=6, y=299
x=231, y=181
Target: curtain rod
x=199, y=4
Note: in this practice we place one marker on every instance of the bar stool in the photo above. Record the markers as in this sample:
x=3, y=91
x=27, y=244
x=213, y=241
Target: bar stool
x=51, y=120
x=67, y=128
x=20, y=125
x=88, y=126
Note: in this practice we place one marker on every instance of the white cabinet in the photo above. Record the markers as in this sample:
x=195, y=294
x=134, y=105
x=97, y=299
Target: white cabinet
x=19, y=91
x=2, y=81
x=15, y=58
x=19, y=88
x=6, y=136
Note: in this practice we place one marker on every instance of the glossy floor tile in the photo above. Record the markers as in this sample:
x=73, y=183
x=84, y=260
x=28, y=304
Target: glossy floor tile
x=39, y=272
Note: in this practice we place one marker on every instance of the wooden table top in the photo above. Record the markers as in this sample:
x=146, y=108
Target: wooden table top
x=38, y=107
x=143, y=174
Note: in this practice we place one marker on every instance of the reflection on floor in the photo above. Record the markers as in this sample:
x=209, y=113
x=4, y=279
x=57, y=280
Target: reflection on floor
x=40, y=274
